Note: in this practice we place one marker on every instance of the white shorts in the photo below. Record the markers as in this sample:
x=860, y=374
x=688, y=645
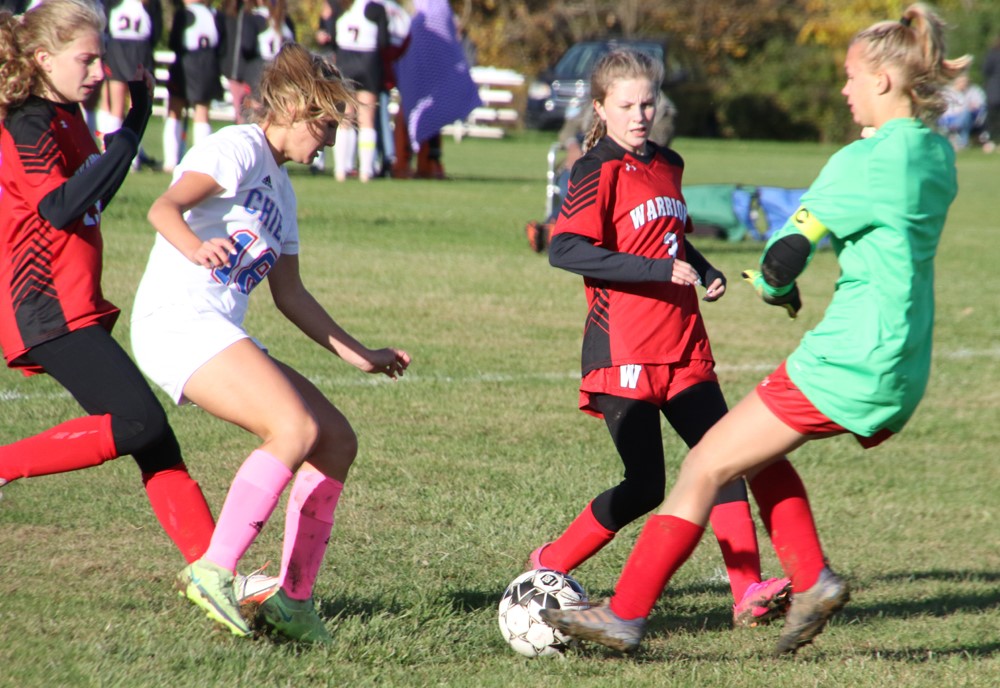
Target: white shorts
x=175, y=342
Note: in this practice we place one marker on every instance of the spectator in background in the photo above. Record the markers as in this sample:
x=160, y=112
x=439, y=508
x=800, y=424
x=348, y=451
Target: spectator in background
x=240, y=57
x=435, y=86
x=991, y=73
x=965, y=118
x=328, y=14
x=15, y=7
x=134, y=27
x=195, y=76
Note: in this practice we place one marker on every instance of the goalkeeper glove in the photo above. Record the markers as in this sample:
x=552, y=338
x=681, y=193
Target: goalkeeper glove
x=790, y=300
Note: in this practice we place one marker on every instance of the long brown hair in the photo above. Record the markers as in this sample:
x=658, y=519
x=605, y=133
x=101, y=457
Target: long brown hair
x=49, y=26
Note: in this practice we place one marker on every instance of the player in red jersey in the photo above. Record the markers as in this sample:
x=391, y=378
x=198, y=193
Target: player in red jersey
x=54, y=318
x=622, y=226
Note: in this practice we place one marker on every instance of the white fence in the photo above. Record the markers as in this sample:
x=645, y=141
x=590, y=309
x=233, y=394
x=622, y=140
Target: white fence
x=498, y=112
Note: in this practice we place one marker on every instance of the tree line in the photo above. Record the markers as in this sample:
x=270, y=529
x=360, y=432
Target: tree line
x=768, y=68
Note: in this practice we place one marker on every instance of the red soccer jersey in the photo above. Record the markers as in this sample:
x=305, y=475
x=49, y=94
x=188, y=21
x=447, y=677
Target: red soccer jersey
x=633, y=204
x=50, y=279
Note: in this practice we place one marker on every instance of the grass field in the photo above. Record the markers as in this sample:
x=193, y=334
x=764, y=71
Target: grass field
x=479, y=454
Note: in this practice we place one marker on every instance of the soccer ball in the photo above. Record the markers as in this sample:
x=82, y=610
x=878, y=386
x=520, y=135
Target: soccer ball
x=528, y=594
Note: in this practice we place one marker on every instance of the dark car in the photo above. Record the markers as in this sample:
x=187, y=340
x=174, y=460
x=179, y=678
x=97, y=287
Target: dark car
x=566, y=86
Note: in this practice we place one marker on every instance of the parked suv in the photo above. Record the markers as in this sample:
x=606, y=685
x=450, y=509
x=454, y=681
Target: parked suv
x=566, y=86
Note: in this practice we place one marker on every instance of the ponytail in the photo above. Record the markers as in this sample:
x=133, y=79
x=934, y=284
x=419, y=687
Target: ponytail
x=915, y=46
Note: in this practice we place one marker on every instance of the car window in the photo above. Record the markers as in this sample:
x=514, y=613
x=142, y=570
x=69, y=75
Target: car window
x=578, y=62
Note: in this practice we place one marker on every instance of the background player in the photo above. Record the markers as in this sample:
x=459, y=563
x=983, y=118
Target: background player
x=195, y=76
x=862, y=370
x=645, y=348
x=228, y=221
x=134, y=27
x=361, y=38
x=54, y=185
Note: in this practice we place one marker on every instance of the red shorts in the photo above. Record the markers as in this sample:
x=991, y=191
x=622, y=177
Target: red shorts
x=789, y=404
x=656, y=384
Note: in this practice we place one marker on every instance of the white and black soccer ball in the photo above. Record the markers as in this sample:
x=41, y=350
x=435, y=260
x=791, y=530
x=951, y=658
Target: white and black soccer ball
x=528, y=594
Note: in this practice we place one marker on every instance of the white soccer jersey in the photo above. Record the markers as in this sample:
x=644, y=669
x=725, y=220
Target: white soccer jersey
x=203, y=32
x=184, y=314
x=270, y=40
x=130, y=21
x=355, y=32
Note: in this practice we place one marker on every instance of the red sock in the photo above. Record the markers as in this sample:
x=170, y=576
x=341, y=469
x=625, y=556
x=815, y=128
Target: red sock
x=180, y=507
x=664, y=544
x=734, y=529
x=584, y=538
x=78, y=443
x=784, y=509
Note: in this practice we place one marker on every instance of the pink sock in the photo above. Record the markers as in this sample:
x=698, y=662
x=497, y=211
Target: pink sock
x=251, y=499
x=308, y=523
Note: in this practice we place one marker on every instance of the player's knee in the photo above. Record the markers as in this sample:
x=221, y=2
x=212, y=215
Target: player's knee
x=145, y=428
x=636, y=498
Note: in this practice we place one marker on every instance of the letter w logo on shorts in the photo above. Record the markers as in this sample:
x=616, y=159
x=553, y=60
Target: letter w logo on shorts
x=630, y=375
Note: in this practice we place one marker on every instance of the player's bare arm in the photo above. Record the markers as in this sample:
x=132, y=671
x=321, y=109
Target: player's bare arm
x=300, y=307
x=167, y=216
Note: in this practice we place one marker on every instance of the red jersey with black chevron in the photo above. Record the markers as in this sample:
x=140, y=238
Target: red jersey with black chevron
x=633, y=204
x=50, y=279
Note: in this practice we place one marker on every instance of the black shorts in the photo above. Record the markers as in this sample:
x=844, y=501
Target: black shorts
x=364, y=69
x=195, y=77
x=122, y=57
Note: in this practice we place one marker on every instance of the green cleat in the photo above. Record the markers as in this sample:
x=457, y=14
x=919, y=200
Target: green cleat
x=293, y=619
x=211, y=587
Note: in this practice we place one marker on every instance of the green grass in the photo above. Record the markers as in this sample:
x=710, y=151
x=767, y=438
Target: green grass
x=479, y=454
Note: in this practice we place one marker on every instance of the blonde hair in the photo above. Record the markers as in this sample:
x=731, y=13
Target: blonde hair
x=915, y=46
x=49, y=26
x=299, y=86
x=619, y=65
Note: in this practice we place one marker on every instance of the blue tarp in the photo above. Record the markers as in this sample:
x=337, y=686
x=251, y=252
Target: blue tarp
x=740, y=210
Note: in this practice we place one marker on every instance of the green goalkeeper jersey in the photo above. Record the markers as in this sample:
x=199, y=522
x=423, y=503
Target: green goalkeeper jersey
x=884, y=200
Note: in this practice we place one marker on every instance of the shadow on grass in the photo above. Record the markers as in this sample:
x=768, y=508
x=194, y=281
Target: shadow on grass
x=341, y=607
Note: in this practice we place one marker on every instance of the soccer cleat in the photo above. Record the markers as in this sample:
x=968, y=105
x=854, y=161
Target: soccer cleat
x=811, y=609
x=599, y=625
x=762, y=603
x=293, y=619
x=254, y=587
x=211, y=587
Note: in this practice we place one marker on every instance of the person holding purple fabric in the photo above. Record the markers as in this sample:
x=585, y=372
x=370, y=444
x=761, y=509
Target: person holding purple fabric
x=435, y=86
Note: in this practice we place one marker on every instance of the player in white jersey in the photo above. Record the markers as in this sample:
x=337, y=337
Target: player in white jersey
x=134, y=27
x=361, y=38
x=195, y=76
x=227, y=222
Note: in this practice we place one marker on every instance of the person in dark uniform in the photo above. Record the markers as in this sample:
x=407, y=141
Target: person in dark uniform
x=134, y=27
x=646, y=352
x=240, y=59
x=54, y=319
x=195, y=77
x=361, y=38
